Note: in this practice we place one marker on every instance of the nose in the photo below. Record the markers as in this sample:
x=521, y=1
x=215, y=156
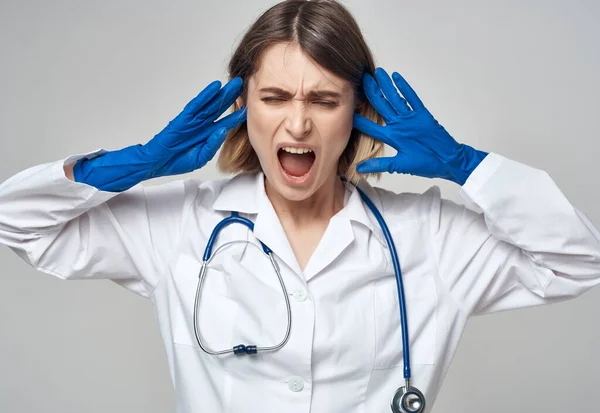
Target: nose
x=298, y=122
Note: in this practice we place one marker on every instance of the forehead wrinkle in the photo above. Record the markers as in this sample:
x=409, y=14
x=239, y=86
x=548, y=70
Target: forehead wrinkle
x=313, y=93
x=270, y=70
x=318, y=90
x=298, y=87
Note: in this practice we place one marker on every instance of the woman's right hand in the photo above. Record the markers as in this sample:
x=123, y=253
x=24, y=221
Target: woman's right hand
x=187, y=143
x=193, y=138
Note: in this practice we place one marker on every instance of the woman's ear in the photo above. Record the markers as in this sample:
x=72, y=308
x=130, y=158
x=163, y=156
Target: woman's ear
x=240, y=102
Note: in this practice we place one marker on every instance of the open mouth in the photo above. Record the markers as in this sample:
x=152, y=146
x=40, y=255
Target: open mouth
x=296, y=162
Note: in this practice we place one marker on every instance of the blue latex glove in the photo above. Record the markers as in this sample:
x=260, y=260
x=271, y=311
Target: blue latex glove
x=424, y=147
x=187, y=143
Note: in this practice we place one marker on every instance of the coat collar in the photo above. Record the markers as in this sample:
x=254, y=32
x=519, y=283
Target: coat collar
x=242, y=193
x=245, y=193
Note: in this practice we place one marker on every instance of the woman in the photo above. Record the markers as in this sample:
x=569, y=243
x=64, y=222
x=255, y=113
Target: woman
x=306, y=99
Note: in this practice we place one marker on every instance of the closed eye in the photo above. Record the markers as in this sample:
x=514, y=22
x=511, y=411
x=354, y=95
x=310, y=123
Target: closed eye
x=272, y=100
x=326, y=103
x=319, y=102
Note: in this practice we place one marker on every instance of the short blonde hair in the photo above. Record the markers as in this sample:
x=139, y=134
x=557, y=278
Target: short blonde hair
x=327, y=32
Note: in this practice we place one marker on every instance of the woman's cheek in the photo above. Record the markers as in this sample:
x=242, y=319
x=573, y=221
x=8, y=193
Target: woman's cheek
x=265, y=121
x=261, y=138
x=339, y=129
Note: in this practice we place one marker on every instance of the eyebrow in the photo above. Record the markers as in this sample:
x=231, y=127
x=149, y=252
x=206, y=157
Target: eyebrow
x=312, y=94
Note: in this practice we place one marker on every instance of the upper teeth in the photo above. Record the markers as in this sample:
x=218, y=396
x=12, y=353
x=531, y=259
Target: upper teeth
x=291, y=149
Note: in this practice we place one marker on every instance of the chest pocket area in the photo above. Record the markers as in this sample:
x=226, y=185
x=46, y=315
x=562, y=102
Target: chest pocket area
x=421, y=309
x=217, y=310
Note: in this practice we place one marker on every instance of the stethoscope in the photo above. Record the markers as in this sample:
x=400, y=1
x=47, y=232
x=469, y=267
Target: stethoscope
x=407, y=399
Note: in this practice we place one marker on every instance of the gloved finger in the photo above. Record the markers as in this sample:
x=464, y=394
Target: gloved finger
x=221, y=101
x=233, y=119
x=390, y=92
x=210, y=148
x=372, y=129
x=377, y=99
x=370, y=166
x=203, y=97
x=407, y=92
x=228, y=122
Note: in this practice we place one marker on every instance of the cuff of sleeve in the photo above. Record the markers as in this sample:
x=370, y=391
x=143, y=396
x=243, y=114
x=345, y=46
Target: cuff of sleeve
x=80, y=189
x=484, y=171
x=86, y=155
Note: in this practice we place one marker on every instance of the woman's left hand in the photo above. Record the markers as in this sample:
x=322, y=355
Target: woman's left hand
x=424, y=147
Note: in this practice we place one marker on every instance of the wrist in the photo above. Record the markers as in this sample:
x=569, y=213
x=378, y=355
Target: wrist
x=115, y=171
x=466, y=161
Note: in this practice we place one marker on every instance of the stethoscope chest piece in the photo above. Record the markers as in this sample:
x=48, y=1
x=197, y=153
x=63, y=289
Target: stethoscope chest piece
x=408, y=401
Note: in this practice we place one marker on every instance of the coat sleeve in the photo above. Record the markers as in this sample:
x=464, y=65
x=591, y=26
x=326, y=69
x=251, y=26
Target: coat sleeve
x=74, y=231
x=518, y=243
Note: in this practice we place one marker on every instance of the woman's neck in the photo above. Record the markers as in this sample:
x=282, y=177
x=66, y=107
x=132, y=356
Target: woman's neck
x=327, y=201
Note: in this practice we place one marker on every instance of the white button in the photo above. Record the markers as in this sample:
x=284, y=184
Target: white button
x=300, y=295
x=296, y=383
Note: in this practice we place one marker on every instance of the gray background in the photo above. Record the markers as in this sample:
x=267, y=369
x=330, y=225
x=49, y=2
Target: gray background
x=515, y=77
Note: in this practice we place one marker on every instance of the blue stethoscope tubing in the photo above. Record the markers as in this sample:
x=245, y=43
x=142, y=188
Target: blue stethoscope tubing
x=206, y=258
x=407, y=399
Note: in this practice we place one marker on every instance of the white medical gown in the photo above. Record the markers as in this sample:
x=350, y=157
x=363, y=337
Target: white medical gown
x=526, y=245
